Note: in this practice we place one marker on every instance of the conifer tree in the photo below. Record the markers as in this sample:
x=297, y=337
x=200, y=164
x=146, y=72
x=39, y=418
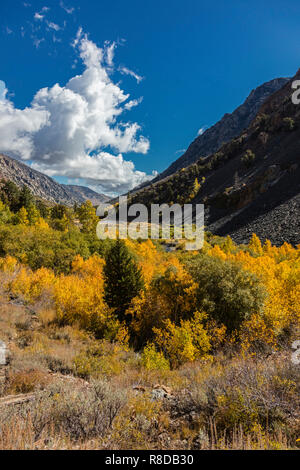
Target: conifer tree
x=123, y=278
x=58, y=211
x=26, y=198
x=10, y=195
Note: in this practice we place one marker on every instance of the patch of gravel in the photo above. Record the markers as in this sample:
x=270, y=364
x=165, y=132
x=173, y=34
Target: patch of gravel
x=279, y=224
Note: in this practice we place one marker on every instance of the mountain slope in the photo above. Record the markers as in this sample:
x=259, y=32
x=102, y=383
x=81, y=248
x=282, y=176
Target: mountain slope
x=230, y=126
x=82, y=193
x=43, y=186
x=251, y=184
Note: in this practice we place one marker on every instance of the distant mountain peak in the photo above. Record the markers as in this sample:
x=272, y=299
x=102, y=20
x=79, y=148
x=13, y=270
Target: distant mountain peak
x=82, y=193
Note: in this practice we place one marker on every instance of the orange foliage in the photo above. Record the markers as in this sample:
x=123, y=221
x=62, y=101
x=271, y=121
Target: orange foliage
x=167, y=305
x=279, y=270
x=32, y=284
x=79, y=296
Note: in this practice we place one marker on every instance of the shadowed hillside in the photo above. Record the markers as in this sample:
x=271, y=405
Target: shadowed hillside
x=230, y=126
x=251, y=184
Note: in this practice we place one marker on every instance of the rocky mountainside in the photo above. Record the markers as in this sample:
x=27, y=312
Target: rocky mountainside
x=43, y=186
x=82, y=193
x=252, y=183
x=230, y=126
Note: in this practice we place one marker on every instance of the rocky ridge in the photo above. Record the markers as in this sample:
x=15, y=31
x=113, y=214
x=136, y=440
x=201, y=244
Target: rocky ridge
x=252, y=183
x=44, y=187
x=230, y=126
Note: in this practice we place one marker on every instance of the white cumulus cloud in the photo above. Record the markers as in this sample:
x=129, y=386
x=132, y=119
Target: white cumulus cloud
x=75, y=130
x=18, y=126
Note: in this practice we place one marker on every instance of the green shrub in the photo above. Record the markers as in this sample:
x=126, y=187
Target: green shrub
x=288, y=123
x=42, y=247
x=228, y=293
x=248, y=158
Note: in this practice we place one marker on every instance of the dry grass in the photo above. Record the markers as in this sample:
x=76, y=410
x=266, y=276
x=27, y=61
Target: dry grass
x=224, y=403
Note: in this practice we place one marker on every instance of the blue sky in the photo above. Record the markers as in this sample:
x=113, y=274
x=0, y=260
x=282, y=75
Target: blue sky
x=193, y=61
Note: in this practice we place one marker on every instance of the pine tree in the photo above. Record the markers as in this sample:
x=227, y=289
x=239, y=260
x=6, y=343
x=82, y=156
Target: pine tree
x=43, y=209
x=58, y=211
x=123, y=278
x=26, y=198
x=11, y=195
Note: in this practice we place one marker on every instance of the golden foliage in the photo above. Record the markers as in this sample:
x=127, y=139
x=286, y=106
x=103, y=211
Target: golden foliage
x=279, y=270
x=183, y=343
x=161, y=318
x=31, y=284
x=153, y=359
x=255, y=332
x=79, y=296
